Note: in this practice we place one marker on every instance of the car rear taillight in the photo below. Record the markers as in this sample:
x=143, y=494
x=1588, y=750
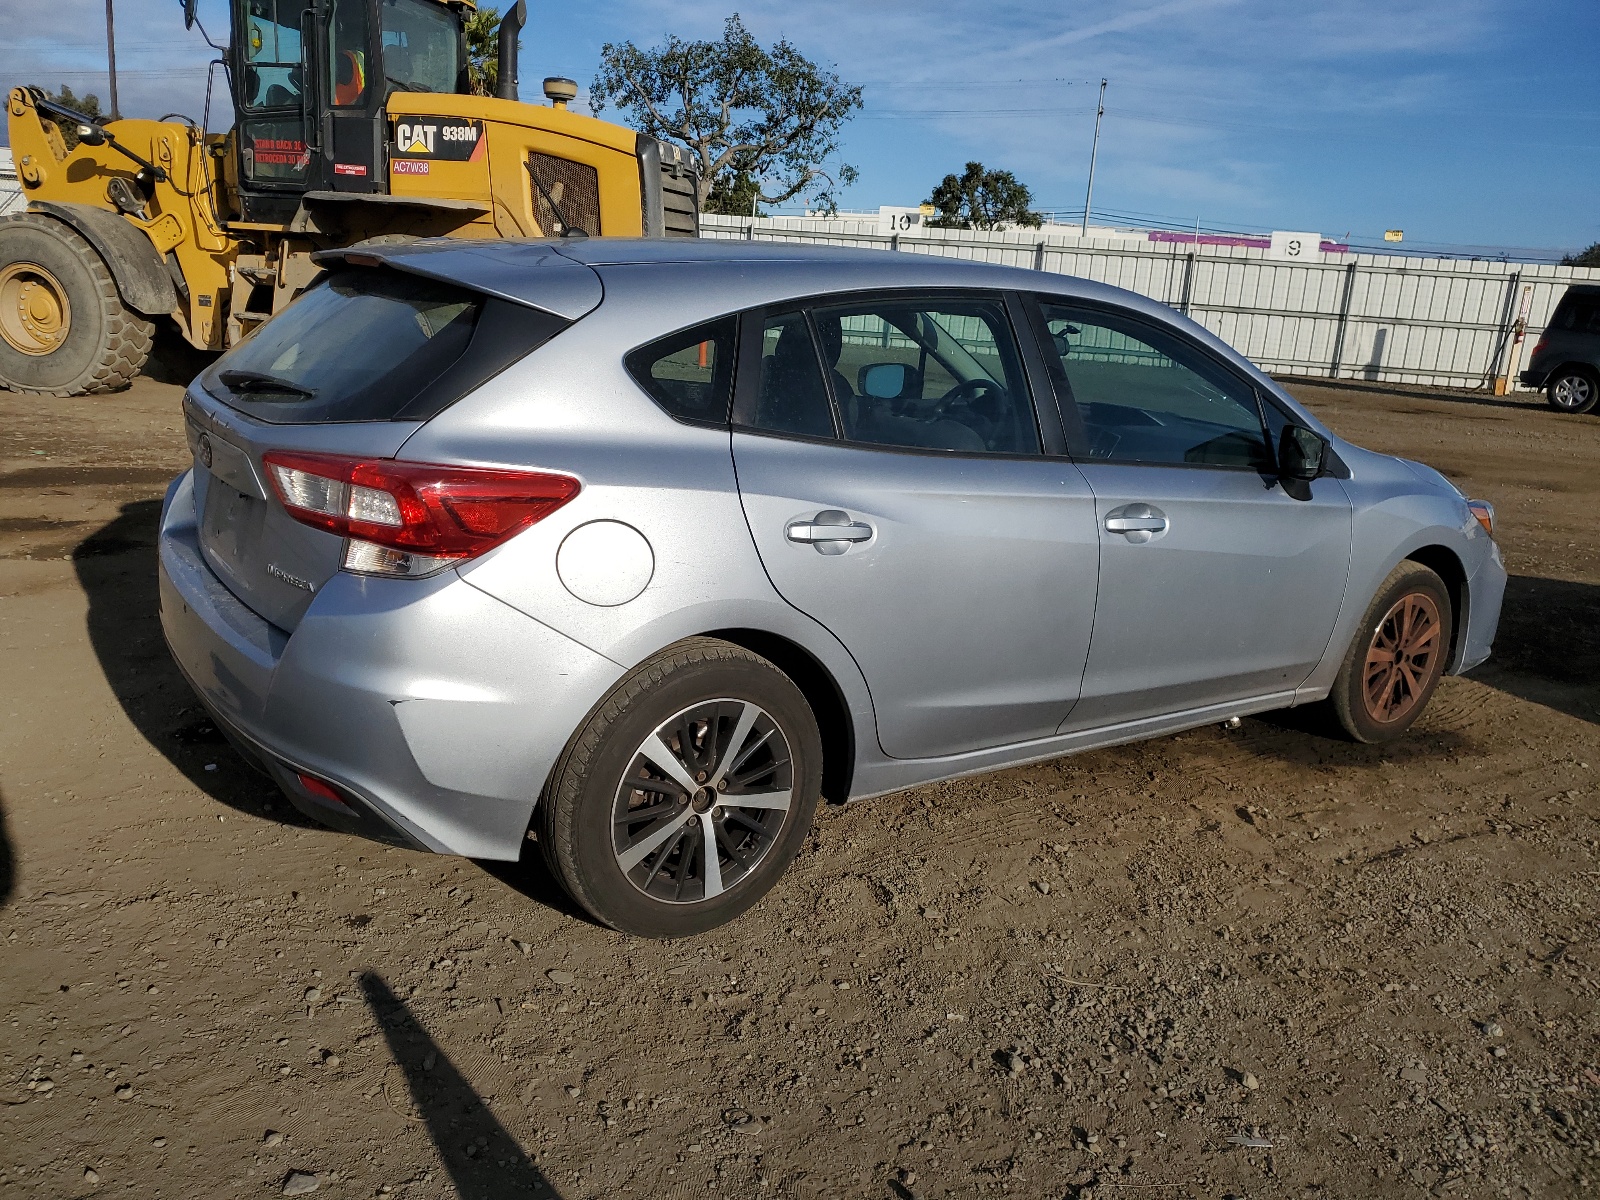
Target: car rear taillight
x=1538, y=347
x=408, y=518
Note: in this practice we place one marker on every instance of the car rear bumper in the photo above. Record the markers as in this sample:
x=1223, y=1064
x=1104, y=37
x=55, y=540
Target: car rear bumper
x=434, y=711
x=1533, y=379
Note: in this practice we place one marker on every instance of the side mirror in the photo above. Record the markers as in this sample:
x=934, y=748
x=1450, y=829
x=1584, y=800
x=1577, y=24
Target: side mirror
x=189, y=7
x=91, y=135
x=884, y=381
x=1302, y=454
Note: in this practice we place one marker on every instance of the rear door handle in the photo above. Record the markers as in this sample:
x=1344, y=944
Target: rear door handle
x=831, y=531
x=1137, y=522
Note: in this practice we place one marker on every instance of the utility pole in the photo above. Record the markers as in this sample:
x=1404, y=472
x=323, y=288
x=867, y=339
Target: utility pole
x=111, y=56
x=1094, y=150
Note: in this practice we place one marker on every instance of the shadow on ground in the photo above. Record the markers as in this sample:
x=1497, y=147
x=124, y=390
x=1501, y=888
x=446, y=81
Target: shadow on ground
x=116, y=566
x=1479, y=398
x=8, y=860
x=532, y=878
x=1548, y=647
x=479, y=1153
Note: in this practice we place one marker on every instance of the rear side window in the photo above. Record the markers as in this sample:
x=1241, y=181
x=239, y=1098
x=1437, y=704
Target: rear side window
x=1578, y=312
x=375, y=345
x=792, y=397
x=690, y=373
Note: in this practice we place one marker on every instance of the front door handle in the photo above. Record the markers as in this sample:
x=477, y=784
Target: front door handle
x=831, y=531
x=1137, y=522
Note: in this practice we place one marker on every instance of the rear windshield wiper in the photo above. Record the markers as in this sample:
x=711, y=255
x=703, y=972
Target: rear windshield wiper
x=255, y=381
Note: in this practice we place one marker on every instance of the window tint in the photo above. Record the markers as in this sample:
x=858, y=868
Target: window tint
x=1579, y=313
x=1149, y=396
x=792, y=397
x=934, y=376
x=690, y=373
x=374, y=345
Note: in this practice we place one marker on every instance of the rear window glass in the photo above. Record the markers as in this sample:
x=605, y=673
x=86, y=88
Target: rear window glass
x=374, y=345
x=690, y=373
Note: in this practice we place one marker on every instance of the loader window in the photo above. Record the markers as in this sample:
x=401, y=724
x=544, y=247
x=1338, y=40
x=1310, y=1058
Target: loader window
x=348, y=37
x=274, y=61
x=422, y=47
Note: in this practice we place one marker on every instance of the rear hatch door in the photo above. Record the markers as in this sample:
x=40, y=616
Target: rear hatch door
x=352, y=368
x=266, y=558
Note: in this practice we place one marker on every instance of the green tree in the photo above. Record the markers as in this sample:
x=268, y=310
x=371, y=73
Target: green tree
x=734, y=192
x=979, y=198
x=773, y=116
x=483, y=51
x=1583, y=258
x=88, y=105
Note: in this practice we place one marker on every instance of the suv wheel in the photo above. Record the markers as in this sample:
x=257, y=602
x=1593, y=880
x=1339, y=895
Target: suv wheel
x=687, y=794
x=1573, y=390
x=1397, y=657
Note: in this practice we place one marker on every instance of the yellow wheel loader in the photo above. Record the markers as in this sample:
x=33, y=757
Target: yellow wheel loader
x=353, y=120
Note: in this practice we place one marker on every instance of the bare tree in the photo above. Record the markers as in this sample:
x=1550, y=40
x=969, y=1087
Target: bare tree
x=772, y=116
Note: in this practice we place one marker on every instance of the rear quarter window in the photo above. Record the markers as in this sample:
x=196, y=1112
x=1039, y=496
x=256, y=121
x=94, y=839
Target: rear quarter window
x=375, y=345
x=690, y=373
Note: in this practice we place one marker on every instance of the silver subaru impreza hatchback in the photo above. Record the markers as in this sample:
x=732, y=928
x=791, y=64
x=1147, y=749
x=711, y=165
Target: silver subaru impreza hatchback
x=637, y=549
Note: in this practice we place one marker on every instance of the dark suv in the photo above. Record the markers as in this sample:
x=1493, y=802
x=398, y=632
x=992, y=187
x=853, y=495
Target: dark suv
x=1566, y=362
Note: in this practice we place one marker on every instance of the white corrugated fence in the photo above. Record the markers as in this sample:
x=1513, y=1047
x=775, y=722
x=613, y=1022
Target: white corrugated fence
x=1440, y=322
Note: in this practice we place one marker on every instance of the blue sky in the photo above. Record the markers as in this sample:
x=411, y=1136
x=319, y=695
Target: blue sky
x=1466, y=122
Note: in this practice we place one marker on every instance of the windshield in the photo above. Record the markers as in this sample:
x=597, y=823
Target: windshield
x=422, y=49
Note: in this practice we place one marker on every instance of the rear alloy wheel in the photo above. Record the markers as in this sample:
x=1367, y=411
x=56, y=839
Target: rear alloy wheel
x=686, y=795
x=64, y=330
x=1397, y=658
x=1572, y=390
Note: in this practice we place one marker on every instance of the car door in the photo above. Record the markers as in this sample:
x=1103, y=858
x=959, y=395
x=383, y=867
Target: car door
x=1215, y=584
x=892, y=472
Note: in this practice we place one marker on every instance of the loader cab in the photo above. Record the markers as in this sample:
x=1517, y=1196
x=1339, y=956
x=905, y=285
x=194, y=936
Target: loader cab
x=310, y=84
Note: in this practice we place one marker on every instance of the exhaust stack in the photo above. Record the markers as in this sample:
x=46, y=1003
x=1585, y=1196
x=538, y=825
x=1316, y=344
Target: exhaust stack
x=510, y=28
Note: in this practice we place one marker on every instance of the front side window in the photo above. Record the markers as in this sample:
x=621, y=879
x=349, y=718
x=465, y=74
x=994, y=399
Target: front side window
x=1147, y=395
x=421, y=47
x=940, y=375
x=690, y=373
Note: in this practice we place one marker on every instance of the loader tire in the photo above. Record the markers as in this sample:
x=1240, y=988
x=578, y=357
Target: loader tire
x=64, y=330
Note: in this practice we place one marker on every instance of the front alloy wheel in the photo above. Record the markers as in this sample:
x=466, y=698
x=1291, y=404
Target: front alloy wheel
x=1397, y=656
x=1403, y=658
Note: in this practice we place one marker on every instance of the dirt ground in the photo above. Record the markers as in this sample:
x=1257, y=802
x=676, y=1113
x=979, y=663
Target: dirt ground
x=1230, y=963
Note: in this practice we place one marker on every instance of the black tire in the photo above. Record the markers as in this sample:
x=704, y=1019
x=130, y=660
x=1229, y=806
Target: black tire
x=577, y=821
x=1572, y=390
x=104, y=345
x=1378, y=704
